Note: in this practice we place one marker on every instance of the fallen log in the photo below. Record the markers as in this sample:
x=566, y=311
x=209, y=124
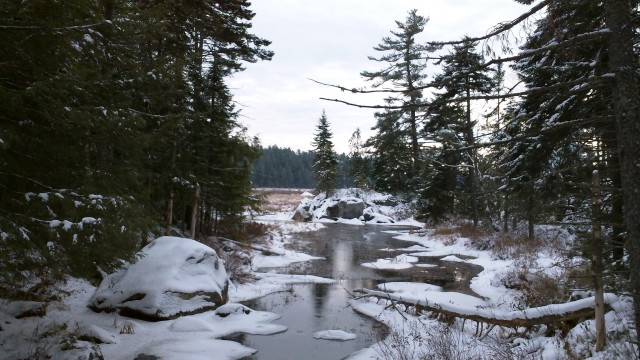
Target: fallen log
x=554, y=314
x=265, y=250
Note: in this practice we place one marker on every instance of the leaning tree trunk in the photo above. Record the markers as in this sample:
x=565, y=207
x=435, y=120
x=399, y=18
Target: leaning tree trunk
x=627, y=114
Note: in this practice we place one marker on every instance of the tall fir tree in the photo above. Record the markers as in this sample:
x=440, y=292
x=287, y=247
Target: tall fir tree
x=391, y=167
x=325, y=159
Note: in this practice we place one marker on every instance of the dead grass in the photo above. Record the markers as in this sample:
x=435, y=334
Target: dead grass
x=280, y=200
x=461, y=228
x=514, y=245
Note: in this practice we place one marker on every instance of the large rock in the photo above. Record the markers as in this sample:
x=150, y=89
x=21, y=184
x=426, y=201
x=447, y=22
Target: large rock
x=371, y=216
x=172, y=277
x=346, y=209
x=303, y=212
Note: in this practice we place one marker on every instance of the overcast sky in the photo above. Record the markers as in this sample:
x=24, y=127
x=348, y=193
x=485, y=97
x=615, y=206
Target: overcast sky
x=329, y=41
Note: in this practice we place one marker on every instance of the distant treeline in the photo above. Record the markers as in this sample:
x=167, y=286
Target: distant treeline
x=285, y=168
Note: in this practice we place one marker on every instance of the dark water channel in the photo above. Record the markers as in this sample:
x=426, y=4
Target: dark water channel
x=309, y=308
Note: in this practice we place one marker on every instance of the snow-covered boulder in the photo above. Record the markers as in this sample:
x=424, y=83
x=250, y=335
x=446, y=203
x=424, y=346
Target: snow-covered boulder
x=372, y=217
x=303, y=212
x=172, y=277
x=367, y=206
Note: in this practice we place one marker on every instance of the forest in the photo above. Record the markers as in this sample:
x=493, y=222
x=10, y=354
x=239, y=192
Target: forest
x=284, y=168
x=118, y=126
x=558, y=146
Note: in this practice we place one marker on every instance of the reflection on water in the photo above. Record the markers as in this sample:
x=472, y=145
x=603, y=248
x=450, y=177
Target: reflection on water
x=309, y=308
x=306, y=309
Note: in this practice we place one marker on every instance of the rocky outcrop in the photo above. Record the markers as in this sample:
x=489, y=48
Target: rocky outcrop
x=349, y=204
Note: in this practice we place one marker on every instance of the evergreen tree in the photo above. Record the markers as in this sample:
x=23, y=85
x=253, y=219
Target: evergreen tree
x=404, y=62
x=325, y=159
x=451, y=125
x=391, y=162
x=116, y=116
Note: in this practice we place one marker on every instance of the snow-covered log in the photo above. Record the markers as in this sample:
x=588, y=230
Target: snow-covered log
x=554, y=314
x=264, y=249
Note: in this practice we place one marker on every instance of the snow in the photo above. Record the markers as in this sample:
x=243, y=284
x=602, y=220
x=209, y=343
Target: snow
x=396, y=263
x=168, y=268
x=408, y=287
x=198, y=336
x=334, y=335
x=188, y=337
x=268, y=283
x=452, y=258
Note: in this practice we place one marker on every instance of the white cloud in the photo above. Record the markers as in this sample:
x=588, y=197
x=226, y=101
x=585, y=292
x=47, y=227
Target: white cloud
x=329, y=41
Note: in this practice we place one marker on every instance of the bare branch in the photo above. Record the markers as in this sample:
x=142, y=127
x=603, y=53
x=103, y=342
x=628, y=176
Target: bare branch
x=576, y=85
x=355, y=90
x=498, y=30
x=41, y=28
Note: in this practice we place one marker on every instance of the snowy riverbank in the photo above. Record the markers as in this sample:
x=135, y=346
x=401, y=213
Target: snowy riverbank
x=70, y=330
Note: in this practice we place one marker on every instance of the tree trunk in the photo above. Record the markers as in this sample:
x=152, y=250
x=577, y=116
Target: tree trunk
x=627, y=114
x=505, y=221
x=597, y=248
x=472, y=159
x=168, y=214
x=530, y=214
x=528, y=318
x=194, y=212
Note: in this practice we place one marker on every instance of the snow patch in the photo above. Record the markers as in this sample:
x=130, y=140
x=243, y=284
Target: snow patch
x=335, y=335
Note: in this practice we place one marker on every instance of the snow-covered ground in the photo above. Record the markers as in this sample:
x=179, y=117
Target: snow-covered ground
x=495, y=301
x=70, y=330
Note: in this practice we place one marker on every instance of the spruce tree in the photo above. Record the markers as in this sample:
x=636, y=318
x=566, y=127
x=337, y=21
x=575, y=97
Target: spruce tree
x=325, y=162
x=391, y=160
x=452, y=125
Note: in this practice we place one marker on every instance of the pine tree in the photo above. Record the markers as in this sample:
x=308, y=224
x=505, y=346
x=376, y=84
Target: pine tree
x=404, y=62
x=325, y=159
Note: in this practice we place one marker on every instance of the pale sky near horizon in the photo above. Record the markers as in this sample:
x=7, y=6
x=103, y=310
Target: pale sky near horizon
x=329, y=41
